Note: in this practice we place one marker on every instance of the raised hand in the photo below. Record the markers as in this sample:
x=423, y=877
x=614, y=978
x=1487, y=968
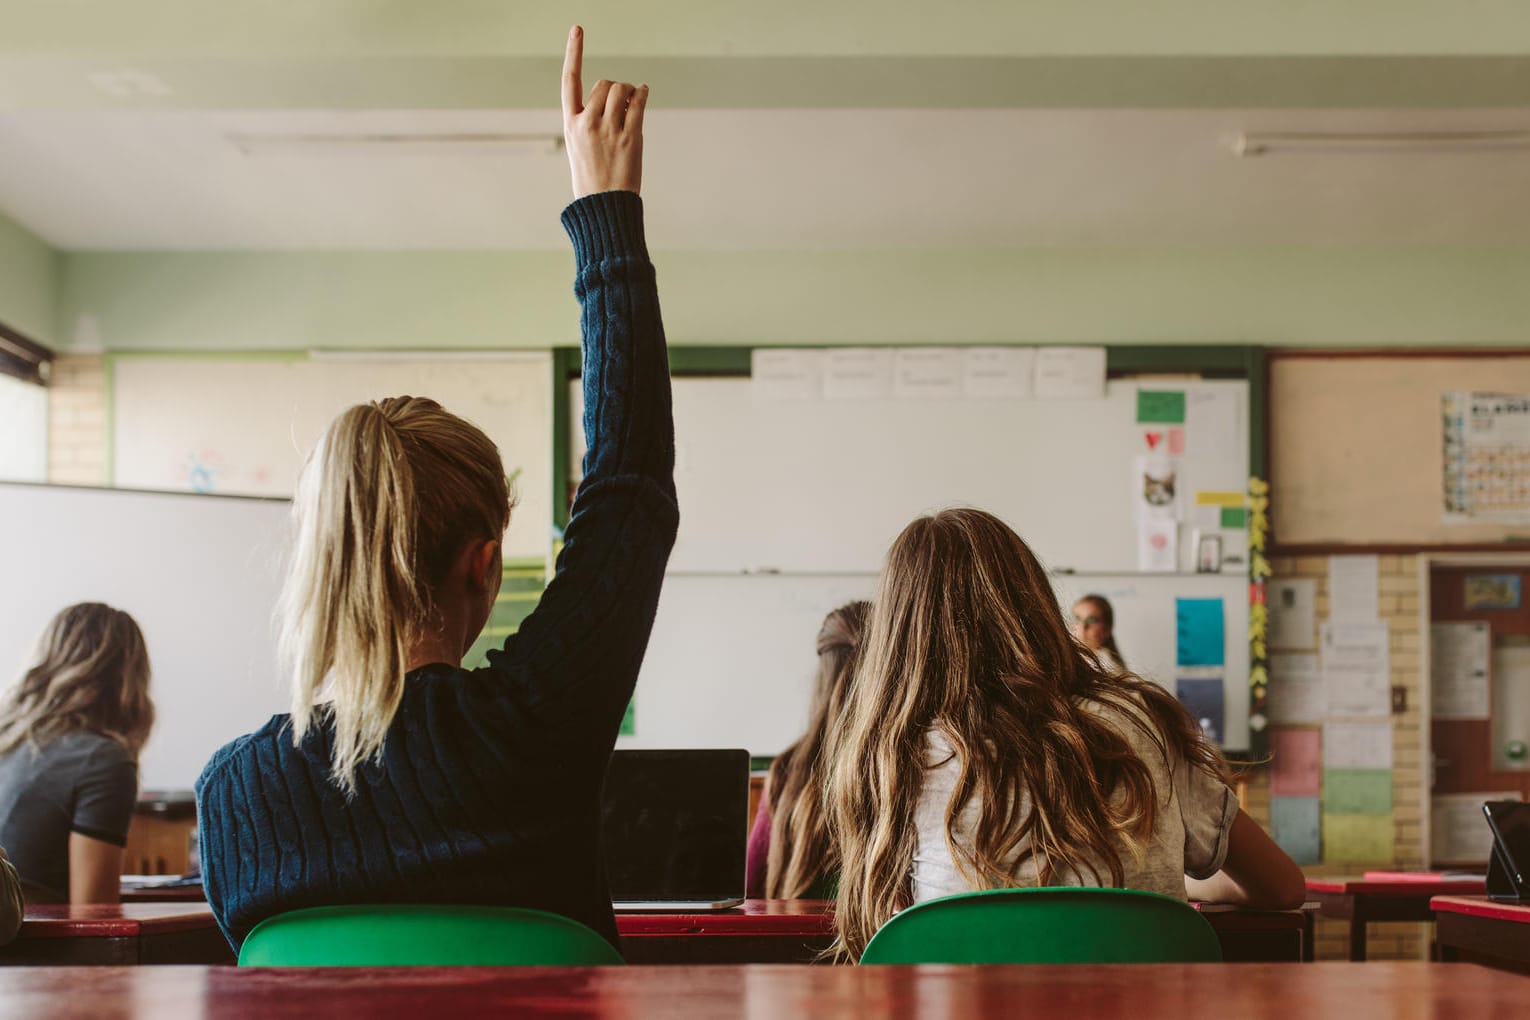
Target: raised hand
x=603, y=133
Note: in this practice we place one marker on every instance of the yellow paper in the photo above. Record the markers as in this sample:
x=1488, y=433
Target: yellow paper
x=1205, y=498
x=1357, y=839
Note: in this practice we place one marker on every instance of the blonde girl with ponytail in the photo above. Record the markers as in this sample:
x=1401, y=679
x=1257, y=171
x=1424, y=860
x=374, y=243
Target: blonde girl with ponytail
x=983, y=747
x=399, y=776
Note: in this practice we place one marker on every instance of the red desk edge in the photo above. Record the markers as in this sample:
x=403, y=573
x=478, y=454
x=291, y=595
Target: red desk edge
x=1481, y=906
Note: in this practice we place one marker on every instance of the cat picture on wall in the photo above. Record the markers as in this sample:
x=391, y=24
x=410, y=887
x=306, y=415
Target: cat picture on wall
x=1155, y=489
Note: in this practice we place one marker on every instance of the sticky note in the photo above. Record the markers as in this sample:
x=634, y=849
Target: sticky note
x=1296, y=762
x=1357, y=791
x=1207, y=497
x=1357, y=839
x=1176, y=442
x=1296, y=824
x=1160, y=407
x=1201, y=638
x=1205, y=701
x=1234, y=517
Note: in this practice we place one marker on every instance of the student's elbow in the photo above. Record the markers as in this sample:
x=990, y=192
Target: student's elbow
x=1293, y=889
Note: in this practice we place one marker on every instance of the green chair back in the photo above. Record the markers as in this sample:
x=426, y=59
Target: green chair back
x=411, y=935
x=1047, y=926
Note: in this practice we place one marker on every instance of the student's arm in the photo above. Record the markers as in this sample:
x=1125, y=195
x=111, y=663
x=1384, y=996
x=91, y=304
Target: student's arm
x=11, y=905
x=757, y=861
x=1255, y=873
x=95, y=870
x=578, y=653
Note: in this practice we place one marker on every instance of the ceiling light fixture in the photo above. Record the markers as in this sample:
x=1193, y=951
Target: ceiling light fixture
x=1265, y=143
x=539, y=144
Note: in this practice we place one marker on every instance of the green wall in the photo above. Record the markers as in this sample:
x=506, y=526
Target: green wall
x=1275, y=296
x=29, y=282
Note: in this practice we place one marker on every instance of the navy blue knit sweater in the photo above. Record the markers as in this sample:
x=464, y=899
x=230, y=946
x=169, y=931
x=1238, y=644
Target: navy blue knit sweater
x=488, y=788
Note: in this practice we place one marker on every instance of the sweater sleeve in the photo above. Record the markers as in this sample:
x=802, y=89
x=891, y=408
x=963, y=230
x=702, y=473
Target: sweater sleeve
x=759, y=851
x=578, y=652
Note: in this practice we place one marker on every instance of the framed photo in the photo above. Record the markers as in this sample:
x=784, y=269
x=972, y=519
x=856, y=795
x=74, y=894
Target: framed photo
x=1208, y=554
x=1492, y=591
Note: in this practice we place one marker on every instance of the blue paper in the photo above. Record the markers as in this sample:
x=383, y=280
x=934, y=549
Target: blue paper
x=1204, y=700
x=1295, y=824
x=1202, y=639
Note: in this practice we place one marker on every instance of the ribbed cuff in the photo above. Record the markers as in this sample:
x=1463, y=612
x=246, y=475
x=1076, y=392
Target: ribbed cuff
x=606, y=225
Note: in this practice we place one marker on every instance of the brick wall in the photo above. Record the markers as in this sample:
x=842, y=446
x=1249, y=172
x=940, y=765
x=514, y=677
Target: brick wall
x=77, y=420
x=1398, y=604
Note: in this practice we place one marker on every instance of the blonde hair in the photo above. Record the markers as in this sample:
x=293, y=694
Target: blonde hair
x=388, y=499
x=91, y=674
x=801, y=855
x=966, y=636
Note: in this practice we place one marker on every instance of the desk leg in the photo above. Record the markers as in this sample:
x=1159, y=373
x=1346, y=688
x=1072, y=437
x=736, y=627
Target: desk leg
x=1309, y=936
x=1357, y=921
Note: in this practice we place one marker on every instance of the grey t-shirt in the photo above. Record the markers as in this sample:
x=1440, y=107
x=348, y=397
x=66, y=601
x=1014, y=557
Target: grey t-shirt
x=1195, y=814
x=80, y=782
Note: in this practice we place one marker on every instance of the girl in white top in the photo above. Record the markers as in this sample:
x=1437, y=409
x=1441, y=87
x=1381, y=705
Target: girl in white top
x=983, y=747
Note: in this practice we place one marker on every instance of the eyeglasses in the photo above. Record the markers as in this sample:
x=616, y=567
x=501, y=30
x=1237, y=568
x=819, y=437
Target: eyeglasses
x=1088, y=621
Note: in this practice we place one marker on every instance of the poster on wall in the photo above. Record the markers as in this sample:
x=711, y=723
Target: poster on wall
x=1486, y=457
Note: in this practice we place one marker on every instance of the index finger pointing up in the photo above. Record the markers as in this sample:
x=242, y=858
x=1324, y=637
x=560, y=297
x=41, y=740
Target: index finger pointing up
x=573, y=61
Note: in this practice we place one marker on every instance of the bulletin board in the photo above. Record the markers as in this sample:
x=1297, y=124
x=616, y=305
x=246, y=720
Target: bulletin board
x=1357, y=448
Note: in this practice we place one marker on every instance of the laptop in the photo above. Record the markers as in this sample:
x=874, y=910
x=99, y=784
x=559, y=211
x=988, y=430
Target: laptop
x=673, y=829
x=1508, y=877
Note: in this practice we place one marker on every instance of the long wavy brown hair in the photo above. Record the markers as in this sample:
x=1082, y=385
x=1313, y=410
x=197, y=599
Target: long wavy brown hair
x=966, y=636
x=91, y=674
x=801, y=855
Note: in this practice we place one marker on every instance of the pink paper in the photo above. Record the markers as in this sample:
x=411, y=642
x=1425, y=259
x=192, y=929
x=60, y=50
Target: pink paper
x=1296, y=762
x=1176, y=442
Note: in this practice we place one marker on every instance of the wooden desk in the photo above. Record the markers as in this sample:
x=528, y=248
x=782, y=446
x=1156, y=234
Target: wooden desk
x=1482, y=930
x=127, y=933
x=1362, y=900
x=1191, y=991
x=165, y=894
x=796, y=931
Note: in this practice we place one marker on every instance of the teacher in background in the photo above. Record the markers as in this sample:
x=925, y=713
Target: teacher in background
x=1094, y=624
x=70, y=734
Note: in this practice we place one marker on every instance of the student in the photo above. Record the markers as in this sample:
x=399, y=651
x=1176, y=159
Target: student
x=11, y=905
x=983, y=748
x=789, y=851
x=417, y=780
x=70, y=734
x=1094, y=624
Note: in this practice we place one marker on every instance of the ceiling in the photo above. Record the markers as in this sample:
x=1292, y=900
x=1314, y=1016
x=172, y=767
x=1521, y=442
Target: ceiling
x=760, y=179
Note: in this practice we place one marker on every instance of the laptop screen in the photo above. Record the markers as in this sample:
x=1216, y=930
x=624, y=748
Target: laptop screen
x=673, y=824
x=1510, y=821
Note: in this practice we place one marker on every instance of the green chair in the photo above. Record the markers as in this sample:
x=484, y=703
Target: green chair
x=410, y=935
x=1047, y=925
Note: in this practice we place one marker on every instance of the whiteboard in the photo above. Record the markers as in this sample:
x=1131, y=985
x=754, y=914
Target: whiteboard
x=732, y=663
x=826, y=485
x=242, y=425
x=23, y=431
x=199, y=574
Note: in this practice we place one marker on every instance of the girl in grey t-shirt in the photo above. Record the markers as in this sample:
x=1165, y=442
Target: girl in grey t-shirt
x=70, y=733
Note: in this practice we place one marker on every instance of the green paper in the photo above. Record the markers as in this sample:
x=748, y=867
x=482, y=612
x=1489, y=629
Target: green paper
x=1357, y=839
x=629, y=720
x=1234, y=517
x=1357, y=791
x=1160, y=407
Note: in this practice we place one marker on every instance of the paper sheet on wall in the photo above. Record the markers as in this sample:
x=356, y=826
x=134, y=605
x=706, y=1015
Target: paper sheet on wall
x=1353, y=587
x=1511, y=705
x=857, y=373
x=1357, y=745
x=1356, y=667
x=1215, y=432
x=1158, y=545
x=1486, y=453
x=1155, y=486
x=1460, y=655
x=1205, y=699
x=1357, y=791
x=1458, y=832
x=1296, y=824
x=1200, y=632
x=1296, y=760
x=1292, y=614
x=1296, y=689
x=1357, y=839
x=998, y=371
x=785, y=374
x=928, y=372
x=1070, y=373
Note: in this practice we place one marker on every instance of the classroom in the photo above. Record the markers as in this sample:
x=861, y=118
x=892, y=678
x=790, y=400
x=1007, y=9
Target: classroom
x=728, y=505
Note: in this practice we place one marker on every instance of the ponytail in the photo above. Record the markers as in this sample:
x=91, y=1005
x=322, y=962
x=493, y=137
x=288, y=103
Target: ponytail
x=388, y=497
